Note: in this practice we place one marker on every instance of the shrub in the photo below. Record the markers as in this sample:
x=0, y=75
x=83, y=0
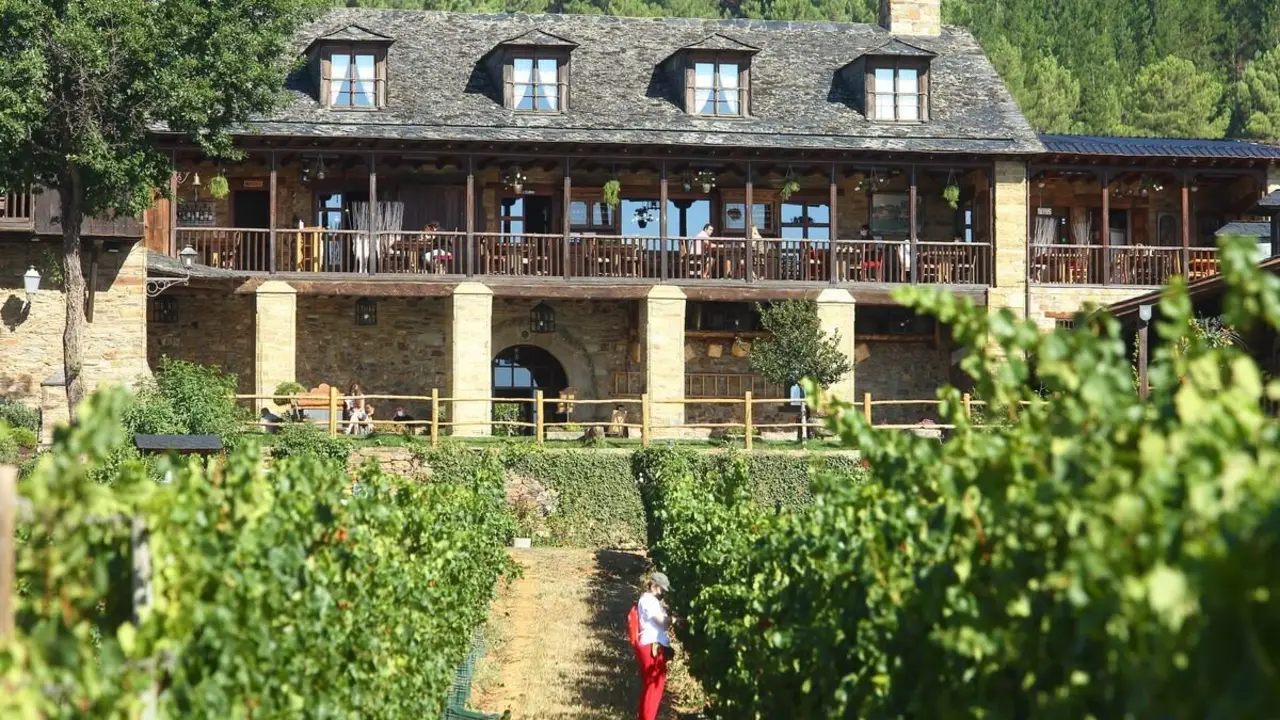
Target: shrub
x=17, y=415
x=310, y=440
x=186, y=398
x=506, y=412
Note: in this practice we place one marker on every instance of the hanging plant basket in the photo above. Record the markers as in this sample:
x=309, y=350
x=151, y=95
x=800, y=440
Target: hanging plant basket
x=514, y=180
x=707, y=180
x=611, y=192
x=790, y=186
x=951, y=193
x=219, y=188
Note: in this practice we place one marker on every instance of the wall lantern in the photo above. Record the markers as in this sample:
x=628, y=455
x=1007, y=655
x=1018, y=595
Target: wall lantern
x=542, y=319
x=366, y=311
x=187, y=256
x=31, y=283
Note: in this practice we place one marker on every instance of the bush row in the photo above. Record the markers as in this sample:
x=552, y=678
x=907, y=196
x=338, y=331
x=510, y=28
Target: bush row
x=272, y=594
x=1100, y=556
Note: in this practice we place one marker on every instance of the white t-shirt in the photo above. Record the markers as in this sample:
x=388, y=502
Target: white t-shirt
x=652, y=621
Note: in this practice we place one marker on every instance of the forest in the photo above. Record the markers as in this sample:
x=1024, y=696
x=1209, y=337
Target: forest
x=1158, y=68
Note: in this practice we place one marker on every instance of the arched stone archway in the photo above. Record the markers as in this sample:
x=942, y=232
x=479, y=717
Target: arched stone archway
x=586, y=380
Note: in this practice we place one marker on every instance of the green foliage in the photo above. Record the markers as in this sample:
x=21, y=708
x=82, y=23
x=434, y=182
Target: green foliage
x=289, y=389
x=1099, y=556
x=790, y=186
x=797, y=347
x=611, y=192
x=297, y=440
x=1258, y=97
x=951, y=194
x=506, y=412
x=275, y=595
x=1172, y=98
x=219, y=188
x=1047, y=93
x=186, y=399
x=15, y=414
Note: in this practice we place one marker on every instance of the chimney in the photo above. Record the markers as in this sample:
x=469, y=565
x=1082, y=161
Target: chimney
x=921, y=18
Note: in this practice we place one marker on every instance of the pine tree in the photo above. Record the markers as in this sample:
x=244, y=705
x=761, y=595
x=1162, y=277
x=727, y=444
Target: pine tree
x=1171, y=98
x=1258, y=97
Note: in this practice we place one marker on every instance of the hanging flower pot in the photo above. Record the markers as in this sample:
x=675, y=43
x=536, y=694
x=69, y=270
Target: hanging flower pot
x=790, y=186
x=514, y=179
x=219, y=188
x=707, y=180
x=611, y=192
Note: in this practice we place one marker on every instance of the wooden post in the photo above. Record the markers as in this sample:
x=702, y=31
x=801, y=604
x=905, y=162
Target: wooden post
x=1105, y=228
x=866, y=407
x=374, y=255
x=271, y=215
x=832, y=228
x=565, y=212
x=539, y=425
x=173, y=204
x=435, y=417
x=645, y=430
x=1186, y=227
x=1144, y=385
x=911, y=230
x=333, y=411
x=750, y=222
x=968, y=405
x=8, y=556
x=746, y=414
x=471, y=216
x=663, y=230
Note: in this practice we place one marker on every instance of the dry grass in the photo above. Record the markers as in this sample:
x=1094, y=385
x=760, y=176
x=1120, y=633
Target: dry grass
x=557, y=641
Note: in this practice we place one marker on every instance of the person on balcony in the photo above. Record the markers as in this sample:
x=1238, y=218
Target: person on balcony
x=698, y=249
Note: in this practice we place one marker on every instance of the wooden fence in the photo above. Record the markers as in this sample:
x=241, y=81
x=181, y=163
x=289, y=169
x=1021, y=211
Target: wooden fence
x=437, y=423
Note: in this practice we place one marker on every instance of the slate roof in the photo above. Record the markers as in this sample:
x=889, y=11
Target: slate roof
x=1269, y=204
x=1245, y=229
x=161, y=265
x=1158, y=147
x=438, y=89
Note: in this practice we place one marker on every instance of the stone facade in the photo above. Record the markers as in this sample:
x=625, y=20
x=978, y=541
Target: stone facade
x=1050, y=304
x=276, y=336
x=836, y=315
x=912, y=17
x=31, y=337
x=471, y=358
x=662, y=321
x=405, y=353
x=1010, y=286
x=903, y=371
x=210, y=329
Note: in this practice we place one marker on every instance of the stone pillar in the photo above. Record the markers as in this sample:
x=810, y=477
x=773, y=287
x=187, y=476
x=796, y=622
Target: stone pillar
x=276, y=339
x=836, y=316
x=662, y=322
x=1010, y=286
x=912, y=17
x=471, y=358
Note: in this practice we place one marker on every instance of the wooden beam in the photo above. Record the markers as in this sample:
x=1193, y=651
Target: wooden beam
x=832, y=213
x=1186, y=225
x=1104, y=224
x=663, y=229
x=471, y=217
x=749, y=223
x=567, y=201
x=911, y=229
x=271, y=192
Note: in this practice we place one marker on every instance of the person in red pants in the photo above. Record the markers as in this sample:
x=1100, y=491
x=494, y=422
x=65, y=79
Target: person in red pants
x=653, y=645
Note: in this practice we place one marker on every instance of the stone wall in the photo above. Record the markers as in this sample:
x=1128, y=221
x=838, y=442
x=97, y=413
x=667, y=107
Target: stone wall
x=1049, y=303
x=903, y=371
x=31, y=337
x=211, y=329
x=405, y=353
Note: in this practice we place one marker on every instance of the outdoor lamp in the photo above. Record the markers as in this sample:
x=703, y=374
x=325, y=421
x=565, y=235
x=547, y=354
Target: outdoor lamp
x=187, y=256
x=1144, y=313
x=31, y=283
x=542, y=319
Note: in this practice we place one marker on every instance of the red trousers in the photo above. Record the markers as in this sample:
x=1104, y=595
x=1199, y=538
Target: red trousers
x=653, y=680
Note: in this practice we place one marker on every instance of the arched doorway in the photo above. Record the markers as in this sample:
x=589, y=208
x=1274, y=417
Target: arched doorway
x=519, y=371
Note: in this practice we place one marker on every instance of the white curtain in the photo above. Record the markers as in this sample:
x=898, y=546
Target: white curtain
x=704, y=87
x=339, y=83
x=729, y=89
x=366, y=88
x=908, y=94
x=522, y=74
x=1080, y=230
x=1046, y=230
x=547, y=87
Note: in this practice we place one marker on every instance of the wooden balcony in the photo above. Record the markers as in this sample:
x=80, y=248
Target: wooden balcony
x=16, y=211
x=1143, y=266
x=529, y=255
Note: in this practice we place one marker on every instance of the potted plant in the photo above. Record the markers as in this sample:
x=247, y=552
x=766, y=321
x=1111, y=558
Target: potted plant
x=789, y=187
x=951, y=193
x=706, y=179
x=219, y=188
x=611, y=192
x=514, y=179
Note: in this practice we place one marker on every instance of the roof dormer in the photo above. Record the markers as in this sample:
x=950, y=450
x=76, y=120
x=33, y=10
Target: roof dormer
x=890, y=83
x=350, y=68
x=533, y=71
x=713, y=76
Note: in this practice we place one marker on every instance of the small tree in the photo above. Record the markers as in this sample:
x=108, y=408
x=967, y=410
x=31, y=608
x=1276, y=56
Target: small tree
x=797, y=348
x=84, y=86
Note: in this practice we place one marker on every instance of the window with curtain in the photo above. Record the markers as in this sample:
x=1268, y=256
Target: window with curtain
x=594, y=216
x=535, y=84
x=354, y=79
x=897, y=92
x=717, y=89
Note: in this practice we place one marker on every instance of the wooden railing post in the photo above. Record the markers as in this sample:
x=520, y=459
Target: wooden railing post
x=8, y=541
x=866, y=407
x=435, y=417
x=968, y=405
x=746, y=415
x=645, y=430
x=333, y=411
x=539, y=427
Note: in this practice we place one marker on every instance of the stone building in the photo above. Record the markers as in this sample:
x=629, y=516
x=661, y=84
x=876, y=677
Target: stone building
x=559, y=168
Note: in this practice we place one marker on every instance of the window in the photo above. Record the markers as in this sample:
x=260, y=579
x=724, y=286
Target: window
x=806, y=221
x=534, y=84
x=722, y=317
x=735, y=216
x=1064, y=323
x=880, y=321
x=717, y=86
x=164, y=310
x=591, y=216
x=354, y=78
x=898, y=92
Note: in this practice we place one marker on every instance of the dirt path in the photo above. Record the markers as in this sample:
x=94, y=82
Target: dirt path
x=557, y=644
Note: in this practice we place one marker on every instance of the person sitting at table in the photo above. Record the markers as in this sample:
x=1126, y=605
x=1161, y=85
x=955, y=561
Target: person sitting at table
x=698, y=249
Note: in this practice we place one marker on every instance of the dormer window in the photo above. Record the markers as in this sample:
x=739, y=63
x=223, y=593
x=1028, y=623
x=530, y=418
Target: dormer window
x=535, y=82
x=719, y=86
x=354, y=78
x=897, y=91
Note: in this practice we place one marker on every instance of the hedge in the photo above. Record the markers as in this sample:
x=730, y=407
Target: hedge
x=597, y=501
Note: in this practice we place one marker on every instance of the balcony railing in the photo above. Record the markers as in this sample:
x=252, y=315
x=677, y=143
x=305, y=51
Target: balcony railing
x=630, y=383
x=16, y=209
x=317, y=250
x=1125, y=265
